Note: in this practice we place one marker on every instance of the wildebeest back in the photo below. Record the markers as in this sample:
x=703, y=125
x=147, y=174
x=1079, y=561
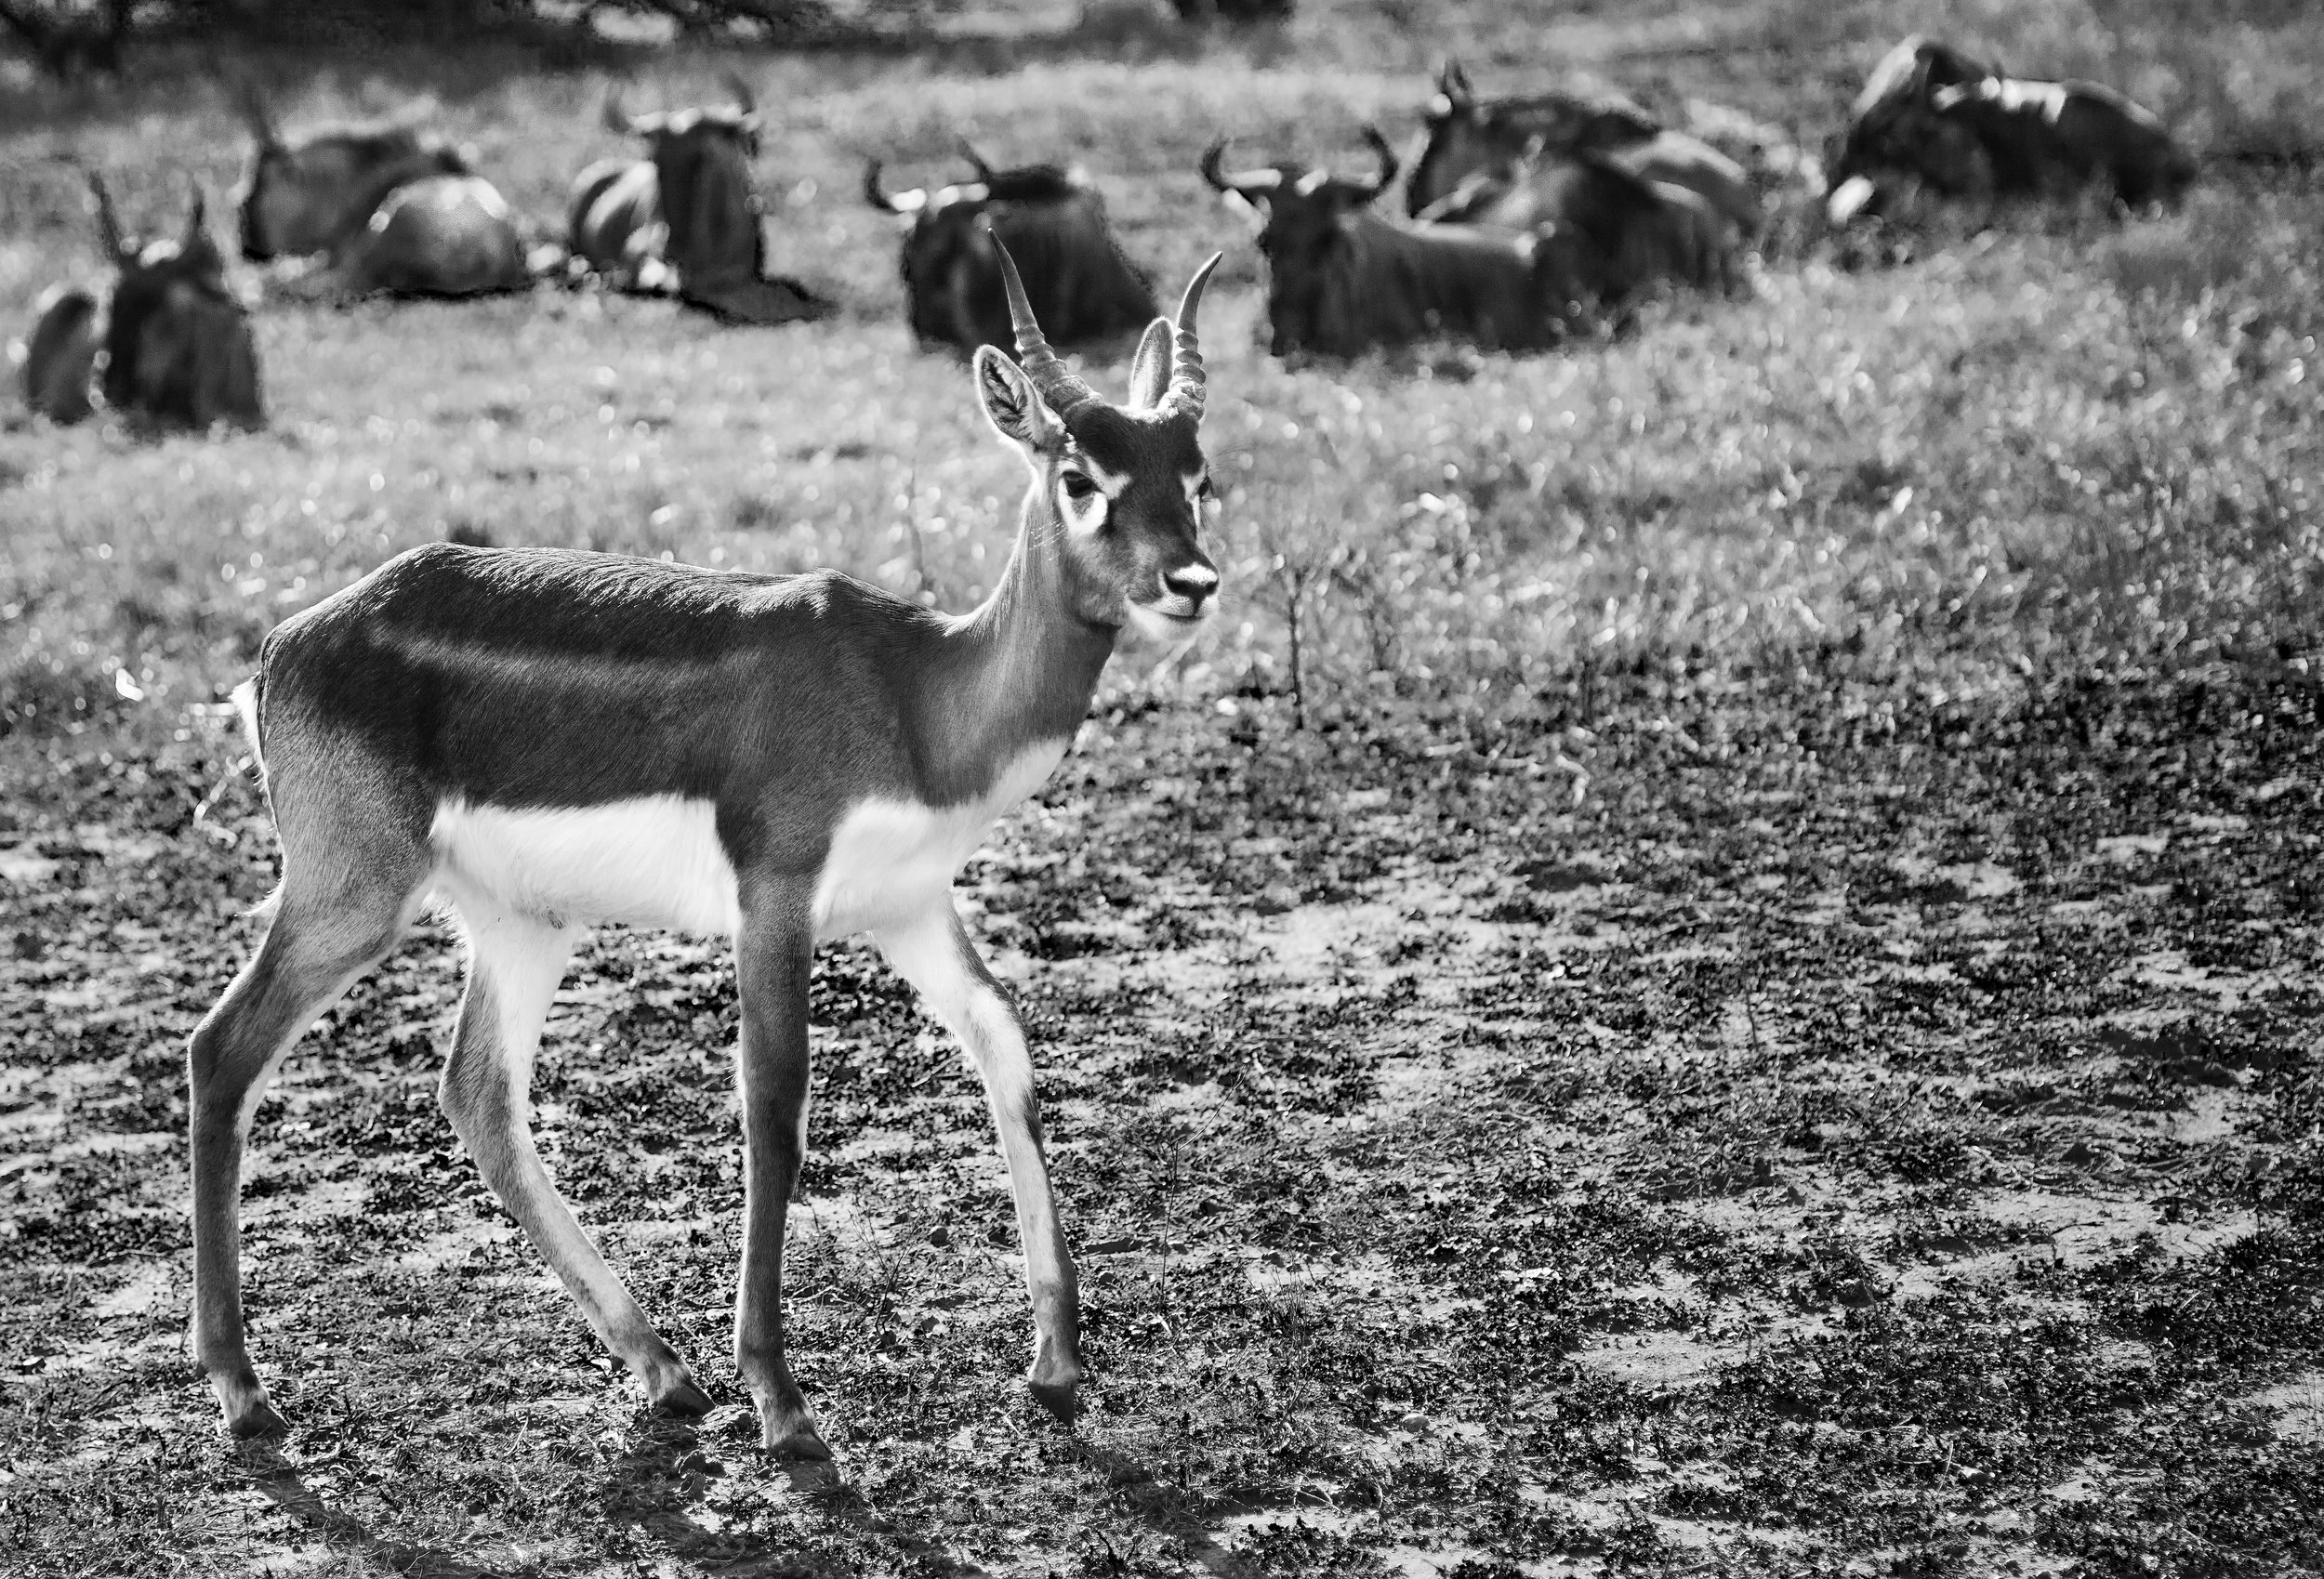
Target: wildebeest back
x=1075, y=273
x=194, y=359
x=60, y=354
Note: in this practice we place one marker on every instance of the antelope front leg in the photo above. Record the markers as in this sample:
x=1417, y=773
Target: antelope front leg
x=773, y=956
x=936, y=955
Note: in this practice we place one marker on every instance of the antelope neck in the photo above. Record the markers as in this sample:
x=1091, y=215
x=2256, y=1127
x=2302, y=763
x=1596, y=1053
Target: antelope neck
x=1025, y=665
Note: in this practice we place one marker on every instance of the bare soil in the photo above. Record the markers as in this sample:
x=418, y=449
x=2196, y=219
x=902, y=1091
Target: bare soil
x=1779, y=1121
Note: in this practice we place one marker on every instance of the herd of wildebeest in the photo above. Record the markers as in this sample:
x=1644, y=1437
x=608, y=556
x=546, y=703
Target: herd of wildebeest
x=1525, y=219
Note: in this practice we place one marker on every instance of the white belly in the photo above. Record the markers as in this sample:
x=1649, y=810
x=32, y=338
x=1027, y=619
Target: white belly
x=891, y=859
x=654, y=862
x=657, y=861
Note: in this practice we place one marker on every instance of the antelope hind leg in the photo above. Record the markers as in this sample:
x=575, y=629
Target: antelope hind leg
x=514, y=967
x=314, y=950
x=935, y=953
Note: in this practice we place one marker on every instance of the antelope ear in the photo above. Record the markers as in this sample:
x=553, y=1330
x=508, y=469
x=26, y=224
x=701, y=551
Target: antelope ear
x=1010, y=404
x=1150, y=369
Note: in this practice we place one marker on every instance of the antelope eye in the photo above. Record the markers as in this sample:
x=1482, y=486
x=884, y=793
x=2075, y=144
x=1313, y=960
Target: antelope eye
x=1080, y=486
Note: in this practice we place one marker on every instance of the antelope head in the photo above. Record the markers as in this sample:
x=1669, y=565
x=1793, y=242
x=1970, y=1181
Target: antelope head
x=1122, y=485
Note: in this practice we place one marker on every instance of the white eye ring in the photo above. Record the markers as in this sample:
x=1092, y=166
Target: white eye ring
x=1085, y=509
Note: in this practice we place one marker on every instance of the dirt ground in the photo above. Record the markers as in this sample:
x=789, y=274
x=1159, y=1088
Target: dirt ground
x=1769, y=1023
x=1793, y=1121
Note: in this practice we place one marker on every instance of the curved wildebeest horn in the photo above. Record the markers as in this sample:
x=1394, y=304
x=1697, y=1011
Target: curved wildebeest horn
x=1185, y=396
x=196, y=216
x=1453, y=83
x=741, y=92
x=1241, y=182
x=109, y=222
x=1924, y=73
x=253, y=110
x=1388, y=165
x=1051, y=380
x=896, y=203
x=616, y=118
x=976, y=161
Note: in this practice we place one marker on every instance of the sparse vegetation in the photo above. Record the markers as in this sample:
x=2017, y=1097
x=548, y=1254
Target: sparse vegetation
x=1767, y=1023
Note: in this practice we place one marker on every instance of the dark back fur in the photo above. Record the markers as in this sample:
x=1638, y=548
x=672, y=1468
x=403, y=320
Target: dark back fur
x=60, y=354
x=701, y=172
x=1467, y=137
x=368, y=163
x=1081, y=286
x=178, y=343
x=1616, y=229
x=2056, y=137
x=70, y=46
x=1342, y=279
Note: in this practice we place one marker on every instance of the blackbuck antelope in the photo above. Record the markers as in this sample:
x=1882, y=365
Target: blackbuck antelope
x=546, y=739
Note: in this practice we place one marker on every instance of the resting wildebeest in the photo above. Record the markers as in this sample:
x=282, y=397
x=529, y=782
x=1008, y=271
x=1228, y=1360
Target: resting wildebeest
x=391, y=207
x=1466, y=135
x=1892, y=129
x=178, y=346
x=72, y=44
x=1933, y=116
x=685, y=218
x=1626, y=232
x=1053, y=223
x=1342, y=279
x=61, y=353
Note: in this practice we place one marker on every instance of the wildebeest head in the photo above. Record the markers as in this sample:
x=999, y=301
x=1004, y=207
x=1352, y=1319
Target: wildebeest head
x=1466, y=134
x=306, y=196
x=1895, y=129
x=1909, y=73
x=1300, y=208
x=1051, y=219
x=946, y=238
x=176, y=343
x=702, y=160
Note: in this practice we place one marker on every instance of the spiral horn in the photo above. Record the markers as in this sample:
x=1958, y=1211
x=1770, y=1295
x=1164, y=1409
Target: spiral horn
x=1187, y=380
x=1055, y=383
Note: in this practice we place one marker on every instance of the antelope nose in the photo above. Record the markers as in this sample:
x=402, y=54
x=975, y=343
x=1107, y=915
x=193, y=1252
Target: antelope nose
x=1194, y=582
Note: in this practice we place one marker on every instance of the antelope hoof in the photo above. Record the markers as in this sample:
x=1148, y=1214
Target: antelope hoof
x=1060, y=1398
x=680, y=1398
x=792, y=1434
x=246, y=1410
